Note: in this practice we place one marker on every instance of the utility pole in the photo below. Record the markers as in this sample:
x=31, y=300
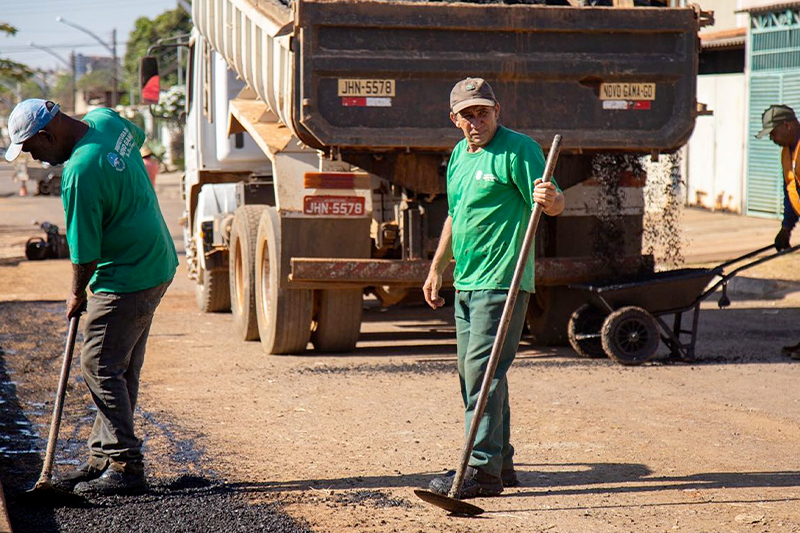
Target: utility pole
x=114, y=71
x=73, y=82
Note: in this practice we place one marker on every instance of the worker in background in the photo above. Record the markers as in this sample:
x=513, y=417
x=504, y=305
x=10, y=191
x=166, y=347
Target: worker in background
x=780, y=123
x=493, y=178
x=121, y=248
x=150, y=163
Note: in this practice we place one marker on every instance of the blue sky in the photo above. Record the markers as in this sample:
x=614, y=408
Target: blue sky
x=35, y=21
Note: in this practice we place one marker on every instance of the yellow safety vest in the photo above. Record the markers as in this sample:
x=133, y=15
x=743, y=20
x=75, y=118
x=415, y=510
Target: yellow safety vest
x=791, y=175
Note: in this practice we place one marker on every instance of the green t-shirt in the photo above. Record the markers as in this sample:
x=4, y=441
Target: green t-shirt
x=111, y=209
x=490, y=195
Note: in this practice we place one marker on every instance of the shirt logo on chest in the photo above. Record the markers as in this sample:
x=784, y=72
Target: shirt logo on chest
x=116, y=161
x=481, y=176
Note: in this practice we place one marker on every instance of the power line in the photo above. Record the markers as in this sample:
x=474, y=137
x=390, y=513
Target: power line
x=23, y=49
x=66, y=7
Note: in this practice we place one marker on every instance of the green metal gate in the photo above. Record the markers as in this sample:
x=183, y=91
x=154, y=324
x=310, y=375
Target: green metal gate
x=774, y=54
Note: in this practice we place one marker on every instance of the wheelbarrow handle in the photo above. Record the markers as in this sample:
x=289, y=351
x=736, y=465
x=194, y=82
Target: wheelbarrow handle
x=746, y=256
x=725, y=277
x=758, y=261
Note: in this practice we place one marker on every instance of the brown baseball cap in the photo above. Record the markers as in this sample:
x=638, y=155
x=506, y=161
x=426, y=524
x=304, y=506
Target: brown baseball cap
x=774, y=116
x=469, y=92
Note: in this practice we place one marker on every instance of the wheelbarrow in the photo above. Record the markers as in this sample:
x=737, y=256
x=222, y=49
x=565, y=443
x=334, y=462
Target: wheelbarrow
x=626, y=319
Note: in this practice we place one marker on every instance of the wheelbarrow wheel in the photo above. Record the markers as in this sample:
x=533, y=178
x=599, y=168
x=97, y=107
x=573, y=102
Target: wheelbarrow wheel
x=584, y=330
x=630, y=336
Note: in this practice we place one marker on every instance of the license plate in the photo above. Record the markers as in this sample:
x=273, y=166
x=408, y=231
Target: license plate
x=346, y=206
x=361, y=88
x=627, y=91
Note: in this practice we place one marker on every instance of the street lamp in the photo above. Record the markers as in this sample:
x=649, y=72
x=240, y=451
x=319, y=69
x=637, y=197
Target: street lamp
x=69, y=64
x=111, y=48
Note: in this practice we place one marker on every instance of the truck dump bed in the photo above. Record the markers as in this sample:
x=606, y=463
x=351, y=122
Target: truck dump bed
x=372, y=75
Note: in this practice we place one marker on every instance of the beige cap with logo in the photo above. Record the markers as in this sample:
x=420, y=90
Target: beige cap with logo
x=469, y=92
x=774, y=116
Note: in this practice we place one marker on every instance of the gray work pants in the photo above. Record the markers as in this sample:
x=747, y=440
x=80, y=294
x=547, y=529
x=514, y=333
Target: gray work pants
x=115, y=336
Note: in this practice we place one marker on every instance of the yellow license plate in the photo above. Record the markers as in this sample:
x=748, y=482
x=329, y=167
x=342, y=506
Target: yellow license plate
x=351, y=88
x=627, y=91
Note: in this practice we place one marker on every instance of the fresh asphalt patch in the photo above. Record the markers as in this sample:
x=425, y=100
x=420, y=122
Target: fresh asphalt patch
x=185, y=494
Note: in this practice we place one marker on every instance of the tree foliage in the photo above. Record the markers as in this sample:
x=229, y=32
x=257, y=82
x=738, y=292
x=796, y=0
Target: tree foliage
x=147, y=32
x=11, y=69
x=96, y=81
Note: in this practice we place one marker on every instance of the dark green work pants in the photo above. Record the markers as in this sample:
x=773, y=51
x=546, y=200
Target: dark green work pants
x=477, y=315
x=117, y=327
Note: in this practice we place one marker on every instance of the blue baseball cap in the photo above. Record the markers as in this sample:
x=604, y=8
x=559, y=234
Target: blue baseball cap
x=26, y=120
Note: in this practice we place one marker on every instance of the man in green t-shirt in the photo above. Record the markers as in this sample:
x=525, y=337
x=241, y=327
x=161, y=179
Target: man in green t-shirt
x=493, y=178
x=122, y=250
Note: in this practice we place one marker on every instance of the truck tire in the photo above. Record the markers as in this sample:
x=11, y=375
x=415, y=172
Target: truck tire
x=338, y=321
x=211, y=291
x=242, y=252
x=284, y=315
x=549, y=311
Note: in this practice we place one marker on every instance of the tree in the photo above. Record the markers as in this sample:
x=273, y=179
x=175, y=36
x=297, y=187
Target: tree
x=147, y=32
x=12, y=69
x=61, y=91
x=96, y=81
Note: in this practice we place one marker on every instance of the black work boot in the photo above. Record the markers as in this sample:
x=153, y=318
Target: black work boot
x=789, y=350
x=509, y=477
x=119, y=478
x=476, y=483
x=85, y=472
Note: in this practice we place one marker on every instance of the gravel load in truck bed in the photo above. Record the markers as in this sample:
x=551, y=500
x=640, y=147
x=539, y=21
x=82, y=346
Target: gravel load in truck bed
x=638, y=3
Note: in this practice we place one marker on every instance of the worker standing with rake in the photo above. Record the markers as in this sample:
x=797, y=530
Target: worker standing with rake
x=493, y=178
x=121, y=248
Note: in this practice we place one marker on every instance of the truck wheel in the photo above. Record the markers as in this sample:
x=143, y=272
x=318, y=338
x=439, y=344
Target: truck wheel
x=242, y=271
x=549, y=311
x=584, y=329
x=284, y=315
x=212, y=291
x=338, y=321
x=630, y=336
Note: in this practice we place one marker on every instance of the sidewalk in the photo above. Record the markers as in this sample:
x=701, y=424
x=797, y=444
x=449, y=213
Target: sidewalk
x=714, y=237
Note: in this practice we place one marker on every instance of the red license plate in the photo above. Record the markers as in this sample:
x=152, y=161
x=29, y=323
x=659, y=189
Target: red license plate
x=346, y=206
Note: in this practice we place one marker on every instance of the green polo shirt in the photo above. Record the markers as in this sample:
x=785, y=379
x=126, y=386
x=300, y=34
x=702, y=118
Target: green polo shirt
x=111, y=209
x=490, y=196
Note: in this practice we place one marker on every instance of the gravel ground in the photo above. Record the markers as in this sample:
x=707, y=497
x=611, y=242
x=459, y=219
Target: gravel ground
x=185, y=493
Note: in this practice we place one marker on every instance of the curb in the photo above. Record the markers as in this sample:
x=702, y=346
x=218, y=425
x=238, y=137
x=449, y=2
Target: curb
x=5, y=522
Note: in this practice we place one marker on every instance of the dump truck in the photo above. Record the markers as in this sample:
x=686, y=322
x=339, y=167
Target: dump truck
x=318, y=135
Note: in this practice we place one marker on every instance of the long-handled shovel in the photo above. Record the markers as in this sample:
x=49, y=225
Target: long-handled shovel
x=44, y=490
x=451, y=502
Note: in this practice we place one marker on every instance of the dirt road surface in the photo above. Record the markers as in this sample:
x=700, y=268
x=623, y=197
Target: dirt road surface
x=340, y=442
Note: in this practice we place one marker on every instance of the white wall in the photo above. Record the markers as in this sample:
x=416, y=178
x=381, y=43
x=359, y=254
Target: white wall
x=715, y=153
x=725, y=16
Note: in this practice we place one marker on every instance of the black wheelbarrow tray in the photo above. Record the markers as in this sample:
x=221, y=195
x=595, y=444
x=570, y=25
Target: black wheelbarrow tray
x=624, y=319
